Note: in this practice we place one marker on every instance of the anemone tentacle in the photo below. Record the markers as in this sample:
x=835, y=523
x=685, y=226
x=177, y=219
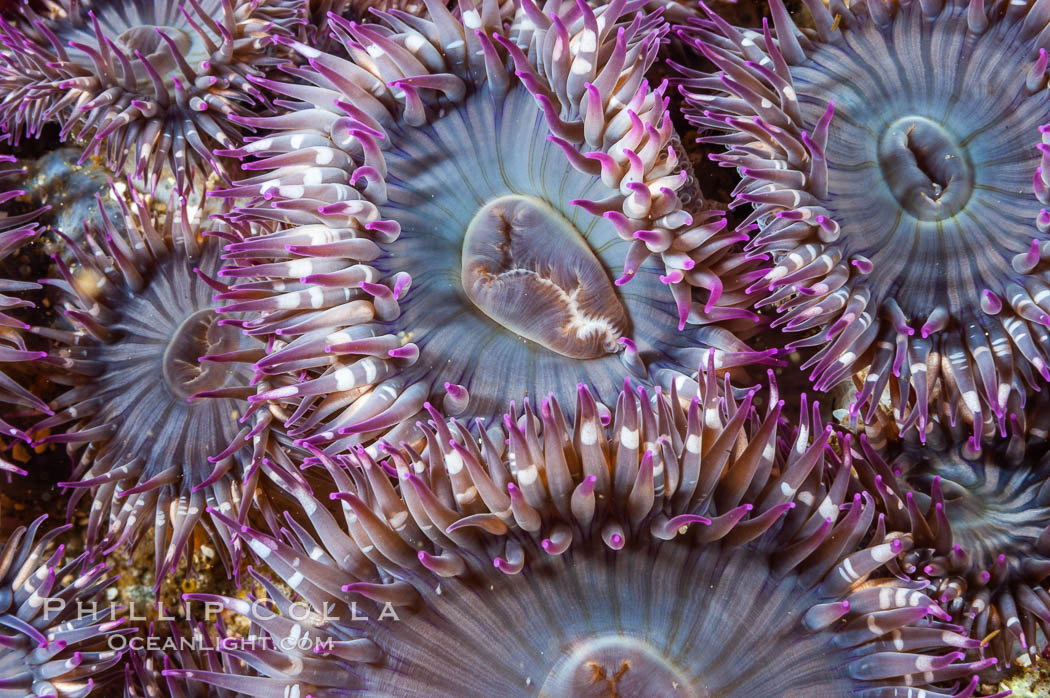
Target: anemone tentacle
x=423, y=231
x=157, y=381
x=15, y=231
x=895, y=192
x=588, y=559
x=56, y=637
x=315, y=29
x=151, y=80
x=979, y=515
x=190, y=652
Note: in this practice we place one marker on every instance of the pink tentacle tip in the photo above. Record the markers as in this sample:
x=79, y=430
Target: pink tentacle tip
x=674, y=276
x=647, y=236
x=404, y=352
x=862, y=264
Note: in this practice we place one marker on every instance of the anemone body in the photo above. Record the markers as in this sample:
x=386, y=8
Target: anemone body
x=54, y=640
x=980, y=519
x=453, y=217
x=150, y=82
x=15, y=230
x=894, y=188
x=147, y=422
x=592, y=560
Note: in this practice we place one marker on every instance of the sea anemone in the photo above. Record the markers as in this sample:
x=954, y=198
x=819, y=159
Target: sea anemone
x=15, y=230
x=676, y=11
x=691, y=547
x=151, y=80
x=157, y=381
x=889, y=156
x=425, y=160
x=358, y=10
x=979, y=515
x=316, y=31
x=60, y=641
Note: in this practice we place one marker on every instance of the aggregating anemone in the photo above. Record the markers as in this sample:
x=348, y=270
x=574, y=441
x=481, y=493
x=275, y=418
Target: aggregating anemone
x=15, y=230
x=415, y=195
x=889, y=155
x=591, y=560
x=148, y=81
x=980, y=520
x=147, y=421
x=50, y=645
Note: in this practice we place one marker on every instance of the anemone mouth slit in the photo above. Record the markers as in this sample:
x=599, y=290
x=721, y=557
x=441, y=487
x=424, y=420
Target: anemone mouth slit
x=526, y=267
x=926, y=169
x=617, y=664
x=148, y=41
x=198, y=335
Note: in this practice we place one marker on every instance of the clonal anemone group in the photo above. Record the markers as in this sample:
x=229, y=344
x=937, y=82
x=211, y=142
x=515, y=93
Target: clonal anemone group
x=463, y=213
x=889, y=155
x=445, y=211
x=592, y=560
